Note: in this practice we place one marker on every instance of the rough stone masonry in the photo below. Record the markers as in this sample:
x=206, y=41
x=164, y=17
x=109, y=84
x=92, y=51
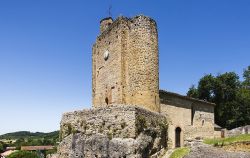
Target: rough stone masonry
x=126, y=120
x=114, y=131
x=125, y=63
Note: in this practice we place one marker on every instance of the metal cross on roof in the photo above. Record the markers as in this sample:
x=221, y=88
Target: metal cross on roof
x=109, y=11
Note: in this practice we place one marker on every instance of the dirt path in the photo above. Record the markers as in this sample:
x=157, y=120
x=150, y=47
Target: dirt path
x=200, y=150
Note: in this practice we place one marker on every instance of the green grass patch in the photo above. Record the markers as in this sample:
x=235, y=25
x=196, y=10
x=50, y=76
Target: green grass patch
x=23, y=154
x=227, y=141
x=180, y=152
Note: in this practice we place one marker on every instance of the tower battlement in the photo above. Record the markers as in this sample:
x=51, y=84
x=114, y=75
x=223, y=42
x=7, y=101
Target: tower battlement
x=125, y=63
x=105, y=23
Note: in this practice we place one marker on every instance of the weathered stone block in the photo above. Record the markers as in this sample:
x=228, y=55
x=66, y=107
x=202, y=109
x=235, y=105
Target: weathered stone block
x=116, y=131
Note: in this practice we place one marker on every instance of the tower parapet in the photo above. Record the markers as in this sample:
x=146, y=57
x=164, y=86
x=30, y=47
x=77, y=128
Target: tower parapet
x=105, y=23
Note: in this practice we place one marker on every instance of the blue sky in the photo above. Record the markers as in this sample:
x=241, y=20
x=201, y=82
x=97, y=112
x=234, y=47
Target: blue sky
x=45, y=51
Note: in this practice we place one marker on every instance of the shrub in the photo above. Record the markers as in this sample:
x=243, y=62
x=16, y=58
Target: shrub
x=141, y=124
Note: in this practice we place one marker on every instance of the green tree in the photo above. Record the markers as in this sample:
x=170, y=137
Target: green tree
x=19, y=143
x=225, y=92
x=226, y=87
x=206, y=87
x=243, y=98
x=1, y=147
x=193, y=92
x=231, y=96
x=246, y=76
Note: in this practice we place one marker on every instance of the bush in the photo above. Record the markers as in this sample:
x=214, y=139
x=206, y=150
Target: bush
x=49, y=152
x=1, y=147
x=141, y=124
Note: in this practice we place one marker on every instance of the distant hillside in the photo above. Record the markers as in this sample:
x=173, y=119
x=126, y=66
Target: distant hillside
x=26, y=134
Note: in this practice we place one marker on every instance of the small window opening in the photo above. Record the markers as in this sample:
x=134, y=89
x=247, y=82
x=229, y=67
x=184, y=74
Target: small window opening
x=192, y=115
x=155, y=100
x=106, y=100
x=202, y=123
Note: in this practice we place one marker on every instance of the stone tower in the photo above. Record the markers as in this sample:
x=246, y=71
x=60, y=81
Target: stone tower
x=125, y=63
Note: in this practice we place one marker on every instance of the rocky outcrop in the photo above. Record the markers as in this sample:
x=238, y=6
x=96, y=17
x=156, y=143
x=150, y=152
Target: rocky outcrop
x=200, y=150
x=113, y=132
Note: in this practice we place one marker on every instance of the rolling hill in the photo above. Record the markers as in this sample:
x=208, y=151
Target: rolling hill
x=28, y=135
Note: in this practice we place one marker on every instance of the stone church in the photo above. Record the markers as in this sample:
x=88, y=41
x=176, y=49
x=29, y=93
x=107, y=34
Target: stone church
x=131, y=117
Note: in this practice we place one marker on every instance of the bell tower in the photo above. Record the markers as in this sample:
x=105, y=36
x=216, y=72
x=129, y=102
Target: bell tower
x=125, y=63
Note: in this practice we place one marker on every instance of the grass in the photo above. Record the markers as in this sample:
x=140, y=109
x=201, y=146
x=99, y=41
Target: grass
x=228, y=141
x=180, y=152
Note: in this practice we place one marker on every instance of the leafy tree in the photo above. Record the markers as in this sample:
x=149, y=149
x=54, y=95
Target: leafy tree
x=246, y=76
x=225, y=92
x=1, y=147
x=193, y=92
x=205, y=87
x=24, y=138
x=226, y=87
x=19, y=143
x=243, y=99
x=232, y=97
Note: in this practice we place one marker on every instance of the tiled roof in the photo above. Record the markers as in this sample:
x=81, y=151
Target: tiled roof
x=186, y=97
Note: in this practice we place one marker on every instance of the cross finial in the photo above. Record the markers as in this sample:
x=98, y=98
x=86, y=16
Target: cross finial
x=109, y=11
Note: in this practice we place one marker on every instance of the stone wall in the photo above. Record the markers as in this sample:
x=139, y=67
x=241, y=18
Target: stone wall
x=217, y=133
x=143, y=75
x=107, y=72
x=130, y=74
x=194, y=117
x=115, y=131
x=237, y=131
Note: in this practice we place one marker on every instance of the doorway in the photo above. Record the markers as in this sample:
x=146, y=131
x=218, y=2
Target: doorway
x=178, y=137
